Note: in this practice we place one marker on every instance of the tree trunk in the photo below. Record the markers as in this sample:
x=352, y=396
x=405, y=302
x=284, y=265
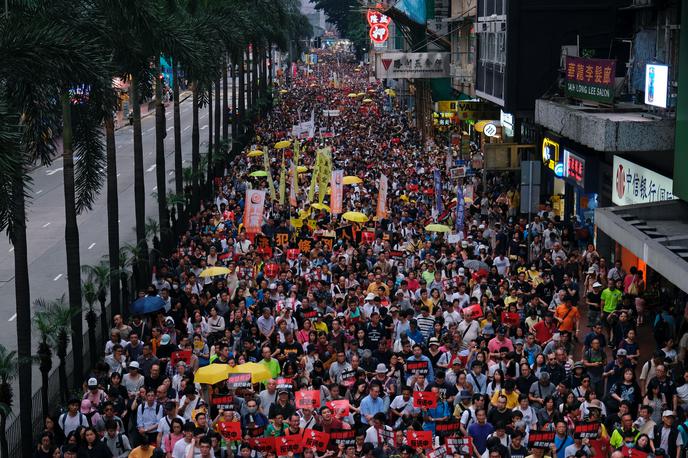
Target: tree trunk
x=264, y=82
x=254, y=75
x=139, y=184
x=112, y=214
x=235, y=112
x=225, y=101
x=160, y=170
x=241, y=94
x=195, y=153
x=211, y=147
x=104, y=331
x=72, y=242
x=62, y=373
x=91, y=322
x=178, y=174
x=46, y=363
x=249, y=79
x=4, y=447
x=23, y=310
x=217, y=160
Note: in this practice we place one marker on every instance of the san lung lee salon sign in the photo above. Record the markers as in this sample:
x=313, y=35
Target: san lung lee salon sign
x=634, y=184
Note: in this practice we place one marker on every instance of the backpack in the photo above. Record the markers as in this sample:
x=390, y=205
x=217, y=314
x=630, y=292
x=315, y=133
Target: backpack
x=120, y=443
x=63, y=420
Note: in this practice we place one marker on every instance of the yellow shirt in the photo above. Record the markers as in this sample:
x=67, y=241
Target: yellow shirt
x=138, y=452
x=322, y=326
x=511, y=399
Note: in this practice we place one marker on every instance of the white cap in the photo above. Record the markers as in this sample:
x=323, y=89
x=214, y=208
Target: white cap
x=92, y=382
x=134, y=365
x=370, y=297
x=462, y=271
x=482, y=226
x=596, y=284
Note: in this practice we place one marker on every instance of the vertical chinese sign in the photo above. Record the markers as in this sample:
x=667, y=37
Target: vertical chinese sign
x=590, y=79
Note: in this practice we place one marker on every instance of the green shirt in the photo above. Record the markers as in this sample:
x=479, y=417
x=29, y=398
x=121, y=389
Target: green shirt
x=273, y=366
x=611, y=299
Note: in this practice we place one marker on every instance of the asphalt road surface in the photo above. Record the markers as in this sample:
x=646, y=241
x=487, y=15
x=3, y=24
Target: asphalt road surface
x=45, y=212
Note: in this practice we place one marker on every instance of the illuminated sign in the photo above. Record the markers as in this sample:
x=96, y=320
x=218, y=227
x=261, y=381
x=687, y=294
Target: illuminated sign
x=490, y=130
x=574, y=167
x=634, y=184
x=379, y=23
x=550, y=152
x=656, y=84
x=559, y=170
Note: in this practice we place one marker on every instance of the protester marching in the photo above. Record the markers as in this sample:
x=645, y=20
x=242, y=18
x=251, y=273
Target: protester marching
x=344, y=295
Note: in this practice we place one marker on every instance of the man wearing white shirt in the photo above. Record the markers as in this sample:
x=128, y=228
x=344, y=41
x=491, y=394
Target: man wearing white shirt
x=502, y=264
x=242, y=245
x=451, y=316
x=165, y=424
x=468, y=330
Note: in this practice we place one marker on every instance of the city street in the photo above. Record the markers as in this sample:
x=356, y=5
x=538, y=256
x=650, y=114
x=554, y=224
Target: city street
x=45, y=212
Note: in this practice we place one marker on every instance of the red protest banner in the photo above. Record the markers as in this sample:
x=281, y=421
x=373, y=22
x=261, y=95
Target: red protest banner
x=474, y=311
x=262, y=444
x=239, y=381
x=284, y=383
x=316, y=439
x=307, y=399
x=349, y=378
x=290, y=443
x=230, y=430
x=422, y=439
x=589, y=430
x=343, y=436
x=340, y=408
x=540, y=439
x=181, y=355
x=424, y=399
x=447, y=428
x=439, y=452
x=461, y=445
x=223, y=402
x=600, y=447
x=417, y=367
x=512, y=319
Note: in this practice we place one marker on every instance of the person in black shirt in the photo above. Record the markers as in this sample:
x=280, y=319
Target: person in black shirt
x=290, y=348
x=375, y=331
x=516, y=448
x=282, y=406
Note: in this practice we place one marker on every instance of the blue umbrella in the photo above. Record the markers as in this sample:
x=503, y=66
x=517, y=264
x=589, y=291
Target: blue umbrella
x=147, y=304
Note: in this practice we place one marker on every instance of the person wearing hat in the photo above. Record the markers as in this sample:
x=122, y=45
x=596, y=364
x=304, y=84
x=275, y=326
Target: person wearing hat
x=667, y=436
x=614, y=370
x=133, y=380
x=541, y=389
x=498, y=342
x=593, y=299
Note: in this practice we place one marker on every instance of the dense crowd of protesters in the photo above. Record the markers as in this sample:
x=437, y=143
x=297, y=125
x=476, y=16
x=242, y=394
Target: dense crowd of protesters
x=516, y=333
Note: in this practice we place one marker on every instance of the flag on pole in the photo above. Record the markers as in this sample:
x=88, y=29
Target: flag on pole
x=459, y=208
x=325, y=173
x=381, y=211
x=439, y=208
x=336, y=191
x=282, y=182
x=266, y=166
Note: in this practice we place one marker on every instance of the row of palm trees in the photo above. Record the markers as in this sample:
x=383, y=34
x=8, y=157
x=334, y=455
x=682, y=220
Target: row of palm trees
x=58, y=59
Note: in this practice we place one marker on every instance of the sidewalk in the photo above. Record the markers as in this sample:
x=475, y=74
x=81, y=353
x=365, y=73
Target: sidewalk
x=121, y=120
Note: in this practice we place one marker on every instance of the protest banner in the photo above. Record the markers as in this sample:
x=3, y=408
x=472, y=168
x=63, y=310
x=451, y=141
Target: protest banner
x=262, y=445
x=284, y=383
x=239, y=380
x=439, y=452
x=181, y=355
x=343, y=436
x=447, y=428
x=316, y=439
x=417, y=367
x=419, y=439
x=512, y=319
x=541, y=439
x=587, y=429
x=230, y=430
x=222, y=402
x=424, y=399
x=461, y=445
x=474, y=311
x=290, y=443
x=307, y=399
x=339, y=408
x=349, y=378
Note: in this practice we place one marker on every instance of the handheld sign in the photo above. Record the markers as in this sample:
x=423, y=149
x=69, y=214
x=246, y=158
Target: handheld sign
x=417, y=367
x=424, y=399
x=586, y=429
x=340, y=408
x=349, y=378
x=290, y=443
x=230, y=430
x=439, y=452
x=512, y=319
x=284, y=383
x=416, y=439
x=461, y=445
x=223, y=402
x=307, y=399
x=181, y=355
x=316, y=439
x=262, y=444
x=474, y=311
x=239, y=381
x=447, y=428
x=343, y=436
x=541, y=439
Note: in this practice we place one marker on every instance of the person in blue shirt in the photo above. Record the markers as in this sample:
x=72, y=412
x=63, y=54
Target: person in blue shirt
x=418, y=356
x=479, y=430
x=371, y=404
x=439, y=413
x=562, y=439
x=414, y=332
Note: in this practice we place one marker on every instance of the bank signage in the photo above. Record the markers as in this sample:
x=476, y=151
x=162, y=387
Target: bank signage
x=590, y=79
x=634, y=184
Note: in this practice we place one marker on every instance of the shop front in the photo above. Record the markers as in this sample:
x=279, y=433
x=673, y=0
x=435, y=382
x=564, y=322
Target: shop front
x=570, y=180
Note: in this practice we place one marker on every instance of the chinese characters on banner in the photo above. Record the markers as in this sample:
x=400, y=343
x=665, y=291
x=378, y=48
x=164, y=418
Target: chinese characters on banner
x=339, y=408
x=634, y=184
x=590, y=79
x=438, y=191
x=379, y=26
x=419, y=439
x=540, y=439
x=336, y=191
x=382, y=198
x=253, y=210
x=316, y=439
x=307, y=399
x=459, y=208
x=412, y=65
x=424, y=399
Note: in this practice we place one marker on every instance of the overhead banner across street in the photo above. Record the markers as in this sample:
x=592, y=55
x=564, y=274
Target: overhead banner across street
x=412, y=65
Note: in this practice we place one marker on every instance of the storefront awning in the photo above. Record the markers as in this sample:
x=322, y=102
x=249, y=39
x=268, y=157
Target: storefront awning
x=656, y=232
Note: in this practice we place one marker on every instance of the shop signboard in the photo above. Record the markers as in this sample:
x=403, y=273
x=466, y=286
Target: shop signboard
x=413, y=65
x=634, y=184
x=574, y=168
x=656, y=85
x=467, y=109
x=550, y=152
x=590, y=79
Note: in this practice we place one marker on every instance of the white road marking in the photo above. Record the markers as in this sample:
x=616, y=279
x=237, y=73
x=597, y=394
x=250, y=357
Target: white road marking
x=53, y=172
x=187, y=128
x=148, y=130
x=91, y=245
x=151, y=168
x=39, y=191
x=118, y=175
x=46, y=224
x=13, y=317
x=204, y=127
x=171, y=173
x=170, y=128
x=58, y=277
x=11, y=249
x=155, y=188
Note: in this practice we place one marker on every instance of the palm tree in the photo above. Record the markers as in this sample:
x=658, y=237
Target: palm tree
x=60, y=314
x=9, y=364
x=178, y=165
x=112, y=213
x=101, y=276
x=90, y=292
x=43, y=323
x=160, y=171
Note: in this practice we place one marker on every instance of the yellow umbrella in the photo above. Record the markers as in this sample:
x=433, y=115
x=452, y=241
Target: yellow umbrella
x=404, y=197
x=367, y=100
x=391, y=92
x=371, y=90
x=259, y=372
x=296, y=222
x=258, y=173
x=356, y=217
x=351, y=179
x=352, y=95
x=214, y=271
x=255, y=153
x=361, y=94
x=283, y=91
x=319, y=206
x=437, y=228
x=302, y=169
x=283, y=144
x=212, y=374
